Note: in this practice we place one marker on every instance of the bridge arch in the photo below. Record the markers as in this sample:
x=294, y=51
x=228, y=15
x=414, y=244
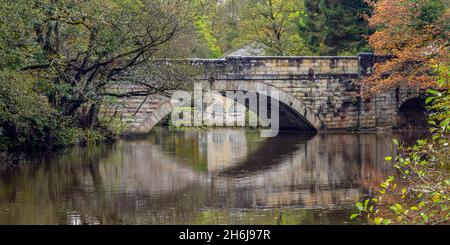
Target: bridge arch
x=291, y=108
x=287, y=101
x=412, y=113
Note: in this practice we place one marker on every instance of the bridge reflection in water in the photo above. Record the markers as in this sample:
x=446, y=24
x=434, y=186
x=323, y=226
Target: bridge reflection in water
x=211, y=176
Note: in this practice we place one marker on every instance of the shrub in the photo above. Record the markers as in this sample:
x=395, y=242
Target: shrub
x=26, y=118
x=28, y=121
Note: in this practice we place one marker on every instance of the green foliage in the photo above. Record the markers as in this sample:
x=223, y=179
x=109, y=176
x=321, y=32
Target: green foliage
x=430, y=12
x=25, y=116
x=28, y=121
x=67, y=136
x=217, y=27
x=204, y=28
x=232, y=24
x=333, y=27
x=17, y=19
x=272, y=24
x=288, y=27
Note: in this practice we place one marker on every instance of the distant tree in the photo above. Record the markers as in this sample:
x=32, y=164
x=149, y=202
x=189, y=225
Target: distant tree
x=332, y=27
x=272, y=23
x=217, y=25
x=229, y=38
x=206, y=24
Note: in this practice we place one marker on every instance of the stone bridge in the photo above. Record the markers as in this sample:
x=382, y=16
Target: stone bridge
x=316, y=93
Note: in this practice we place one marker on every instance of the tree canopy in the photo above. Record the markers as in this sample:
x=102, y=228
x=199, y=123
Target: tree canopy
x=416, y=34
x=332, y=27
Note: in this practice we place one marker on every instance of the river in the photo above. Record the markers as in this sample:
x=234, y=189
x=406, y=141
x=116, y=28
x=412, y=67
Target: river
x=198, y=176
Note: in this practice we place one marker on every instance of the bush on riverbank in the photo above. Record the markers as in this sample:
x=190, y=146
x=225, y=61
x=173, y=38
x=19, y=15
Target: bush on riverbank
x=28, y=122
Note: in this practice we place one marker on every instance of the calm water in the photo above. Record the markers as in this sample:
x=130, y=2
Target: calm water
x=212, y=176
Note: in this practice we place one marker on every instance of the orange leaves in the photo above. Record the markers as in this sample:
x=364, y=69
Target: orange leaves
x=417, y=45
x=389, y=13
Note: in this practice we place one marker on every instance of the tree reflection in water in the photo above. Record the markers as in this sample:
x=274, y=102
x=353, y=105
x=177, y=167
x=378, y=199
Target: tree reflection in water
x=213, y=176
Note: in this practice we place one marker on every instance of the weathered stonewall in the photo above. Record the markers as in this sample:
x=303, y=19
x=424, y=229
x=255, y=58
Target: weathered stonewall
x=318, y=93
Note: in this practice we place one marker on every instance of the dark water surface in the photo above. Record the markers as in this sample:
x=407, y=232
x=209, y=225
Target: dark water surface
x=211, y=176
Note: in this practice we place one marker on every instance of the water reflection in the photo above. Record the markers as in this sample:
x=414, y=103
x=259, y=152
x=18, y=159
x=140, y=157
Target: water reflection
x=213, y=176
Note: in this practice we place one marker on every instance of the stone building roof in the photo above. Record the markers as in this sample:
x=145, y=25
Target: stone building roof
x=252, y=49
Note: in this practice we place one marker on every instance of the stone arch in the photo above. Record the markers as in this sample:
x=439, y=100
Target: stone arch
x=412, y=113
x=294, y=104
x=152, y=119
x=285, y=98
x=407, y=94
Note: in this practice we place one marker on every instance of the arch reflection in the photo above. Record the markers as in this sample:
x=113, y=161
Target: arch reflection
x=213, y=176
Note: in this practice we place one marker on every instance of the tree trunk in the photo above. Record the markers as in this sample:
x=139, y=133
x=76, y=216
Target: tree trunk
x=92, y=116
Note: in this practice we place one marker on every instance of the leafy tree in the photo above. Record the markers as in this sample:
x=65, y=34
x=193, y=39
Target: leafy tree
x=217, y=26
x=205, y=20
x=229, y=16
x=416, y=33
x=272, y=24
x=205, y=30
x=332, y=27
x=80, y=47
x=59, y=61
